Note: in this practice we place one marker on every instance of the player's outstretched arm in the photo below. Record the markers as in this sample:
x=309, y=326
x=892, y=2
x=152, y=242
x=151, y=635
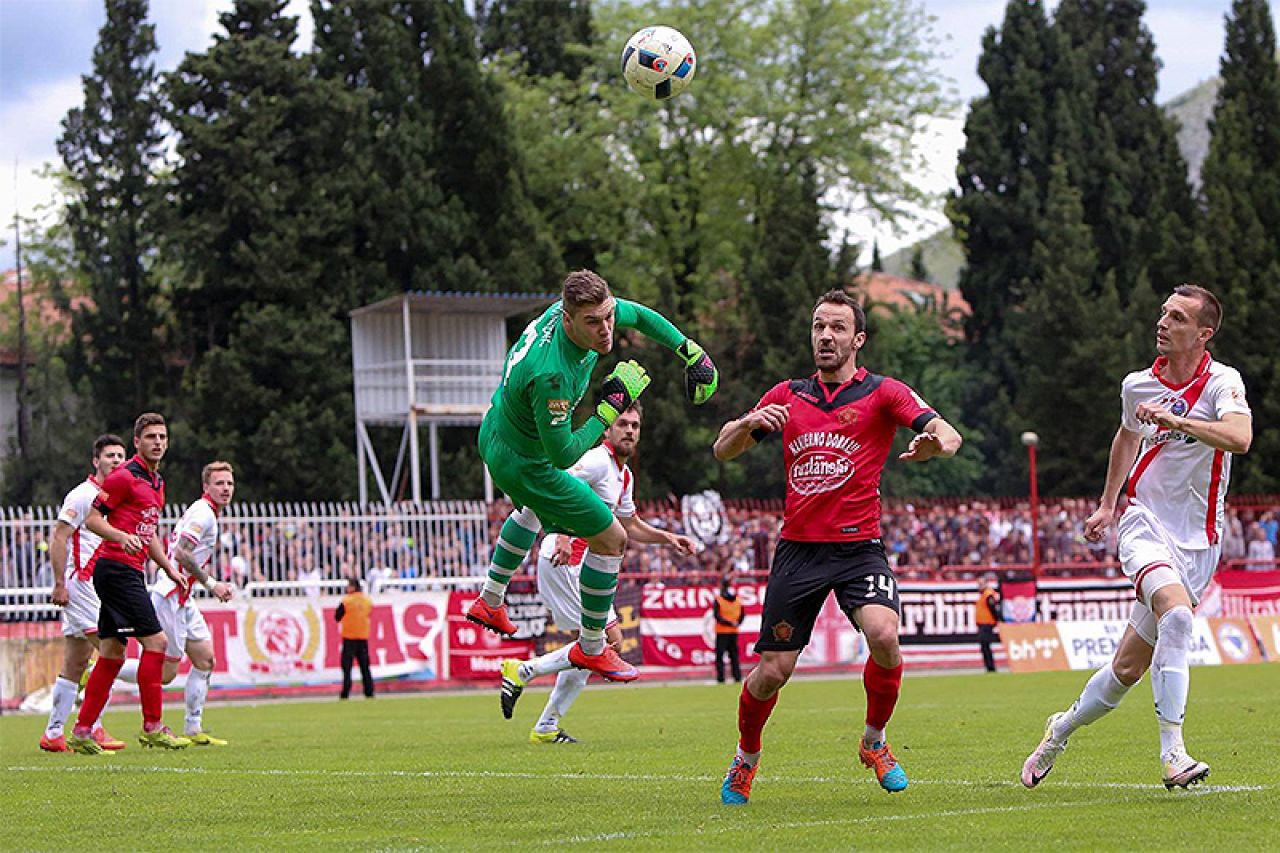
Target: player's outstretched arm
x=737, y=437
x=938, y=438
x=701, y=378
x=643, y=533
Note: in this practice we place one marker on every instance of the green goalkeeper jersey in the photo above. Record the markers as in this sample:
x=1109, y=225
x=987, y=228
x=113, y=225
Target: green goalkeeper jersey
x=545, y=377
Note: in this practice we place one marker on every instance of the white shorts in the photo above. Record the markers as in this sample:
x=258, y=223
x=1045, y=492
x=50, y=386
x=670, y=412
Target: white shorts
x=558, y=587
x=1151, y=560
x=80, y=616
x=182, y=623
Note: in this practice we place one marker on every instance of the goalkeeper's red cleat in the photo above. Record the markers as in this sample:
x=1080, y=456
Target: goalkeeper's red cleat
x=608, y=663
x=493, y=618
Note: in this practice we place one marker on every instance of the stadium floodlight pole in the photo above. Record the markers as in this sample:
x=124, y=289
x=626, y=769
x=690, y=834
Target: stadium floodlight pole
x=1031, y=440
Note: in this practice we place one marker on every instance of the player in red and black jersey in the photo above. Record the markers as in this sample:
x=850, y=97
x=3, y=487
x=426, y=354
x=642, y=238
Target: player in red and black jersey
x=837, y=427
x=126, y=515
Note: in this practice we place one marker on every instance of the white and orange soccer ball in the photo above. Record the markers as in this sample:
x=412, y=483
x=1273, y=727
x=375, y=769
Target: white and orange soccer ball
x=658, y=62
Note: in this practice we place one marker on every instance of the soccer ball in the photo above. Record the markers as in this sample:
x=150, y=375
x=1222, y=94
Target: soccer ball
x=658, y=62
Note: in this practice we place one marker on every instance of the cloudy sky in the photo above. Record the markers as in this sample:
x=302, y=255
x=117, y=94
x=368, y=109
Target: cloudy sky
x=45, y=45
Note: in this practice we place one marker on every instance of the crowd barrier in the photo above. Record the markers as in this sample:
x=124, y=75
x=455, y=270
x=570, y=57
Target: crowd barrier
x=420, y=638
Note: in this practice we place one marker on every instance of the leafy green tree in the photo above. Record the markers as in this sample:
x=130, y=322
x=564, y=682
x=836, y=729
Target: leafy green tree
x=112, y=145
x=1241, y=196
x=549, y=37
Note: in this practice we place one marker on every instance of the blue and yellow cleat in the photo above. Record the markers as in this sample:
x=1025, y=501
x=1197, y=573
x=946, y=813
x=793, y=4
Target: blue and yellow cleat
x=736, y=788
x=889, y=773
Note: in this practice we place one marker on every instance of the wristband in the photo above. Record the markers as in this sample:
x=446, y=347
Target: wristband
x=209, y=583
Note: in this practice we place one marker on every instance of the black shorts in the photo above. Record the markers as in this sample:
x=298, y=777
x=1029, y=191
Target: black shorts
x=804, y=573
x=126, y=609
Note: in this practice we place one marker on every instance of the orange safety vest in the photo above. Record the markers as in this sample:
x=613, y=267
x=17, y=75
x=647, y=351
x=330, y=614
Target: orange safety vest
x=356, y=607
x=730, y=611
x=986, y=613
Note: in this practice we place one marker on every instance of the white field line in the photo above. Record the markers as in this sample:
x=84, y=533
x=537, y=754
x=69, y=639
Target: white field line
x=103, y=765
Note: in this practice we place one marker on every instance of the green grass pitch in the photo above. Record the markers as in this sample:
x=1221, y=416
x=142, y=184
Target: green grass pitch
x=446, y=771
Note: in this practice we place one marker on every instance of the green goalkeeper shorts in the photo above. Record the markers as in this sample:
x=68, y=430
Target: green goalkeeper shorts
x=563, y=503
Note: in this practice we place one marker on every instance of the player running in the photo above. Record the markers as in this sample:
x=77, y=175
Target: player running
x=837, y=427
x=70, y=547
x=527, y=441
x=1181, y=420
x=191, y=548
x=604, y=468
x=126, y=514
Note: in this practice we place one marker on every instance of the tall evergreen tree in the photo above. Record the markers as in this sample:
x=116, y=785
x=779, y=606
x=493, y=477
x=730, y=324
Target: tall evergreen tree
x=550, y=37
x=1241, y=194
x=1065, y=338
x=111, y=146
x=445, y=205
x=266, y=189
x=919, y=271
x=877, y=263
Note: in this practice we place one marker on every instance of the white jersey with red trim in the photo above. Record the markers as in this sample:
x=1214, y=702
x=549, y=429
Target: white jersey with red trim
x=198, y=529
x=1181, y=480
x=74, y=510
x=612, y=482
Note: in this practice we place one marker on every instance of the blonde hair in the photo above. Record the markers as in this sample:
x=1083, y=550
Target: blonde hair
x=214, y=468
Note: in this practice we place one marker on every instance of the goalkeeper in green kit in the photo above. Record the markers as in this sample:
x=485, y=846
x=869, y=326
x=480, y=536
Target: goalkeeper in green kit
x=527, y=441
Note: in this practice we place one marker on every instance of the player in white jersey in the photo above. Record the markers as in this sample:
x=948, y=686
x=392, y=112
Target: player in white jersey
x=1182, y=420
x=70, y=548
x=605, y=469
x=191, y=548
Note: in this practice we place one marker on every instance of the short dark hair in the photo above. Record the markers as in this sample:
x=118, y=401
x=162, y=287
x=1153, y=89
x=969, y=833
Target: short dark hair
x=583, y=287
x=837, y=296
x=147, y=419
x=1210, y=313
x=106, y=440
x=353, y=583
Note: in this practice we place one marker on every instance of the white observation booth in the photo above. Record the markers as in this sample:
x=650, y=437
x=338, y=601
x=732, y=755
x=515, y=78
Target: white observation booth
x=430, y=358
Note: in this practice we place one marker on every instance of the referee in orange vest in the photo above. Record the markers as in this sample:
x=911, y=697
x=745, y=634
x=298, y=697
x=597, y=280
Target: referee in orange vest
x=353, y=618
x=728, y=613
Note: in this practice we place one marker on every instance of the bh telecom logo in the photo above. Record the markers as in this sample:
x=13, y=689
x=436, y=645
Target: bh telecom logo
x=1233, y=643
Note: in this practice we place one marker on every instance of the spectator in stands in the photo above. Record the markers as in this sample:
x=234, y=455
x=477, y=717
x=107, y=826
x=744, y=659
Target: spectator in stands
x=1261, y=555
x=1271, y=524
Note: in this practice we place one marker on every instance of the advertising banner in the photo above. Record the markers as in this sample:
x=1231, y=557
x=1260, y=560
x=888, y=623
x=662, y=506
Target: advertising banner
x=676, y=627
x=291, y=641
x=1267, y=629
x=476, y=653
x=1033, y=646
x=1237, y=593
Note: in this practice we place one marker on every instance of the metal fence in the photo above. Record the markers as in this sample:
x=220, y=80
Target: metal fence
x=300, y=542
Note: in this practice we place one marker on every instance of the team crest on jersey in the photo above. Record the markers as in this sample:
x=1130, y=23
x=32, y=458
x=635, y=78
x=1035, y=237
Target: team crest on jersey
x=1178, y=407
x=847, y=415
x=559, y=410
x=782, y=632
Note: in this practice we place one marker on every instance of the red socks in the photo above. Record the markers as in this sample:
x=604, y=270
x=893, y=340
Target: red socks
x=882, y=686
x=150, y=669
x=97, y=691
x=753, y=713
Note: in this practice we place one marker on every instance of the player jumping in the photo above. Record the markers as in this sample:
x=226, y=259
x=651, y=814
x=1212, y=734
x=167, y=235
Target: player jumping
x=527, y=441
x=604, y=468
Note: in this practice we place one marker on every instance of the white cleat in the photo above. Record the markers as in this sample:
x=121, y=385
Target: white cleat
x=1183, y=771
x=1040, y=761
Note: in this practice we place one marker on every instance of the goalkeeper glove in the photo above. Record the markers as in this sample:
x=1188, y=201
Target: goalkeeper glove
x=700, y=375
x=621, y=388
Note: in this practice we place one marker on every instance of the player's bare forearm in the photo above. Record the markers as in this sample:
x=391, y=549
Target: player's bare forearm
x=733, y=441
x=1124, y=450
x=643, y=533
x=97, y=523
x=58, y=551
x=188, y=562
x=156, y=552
x=948, y=436
x=1234, y=433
